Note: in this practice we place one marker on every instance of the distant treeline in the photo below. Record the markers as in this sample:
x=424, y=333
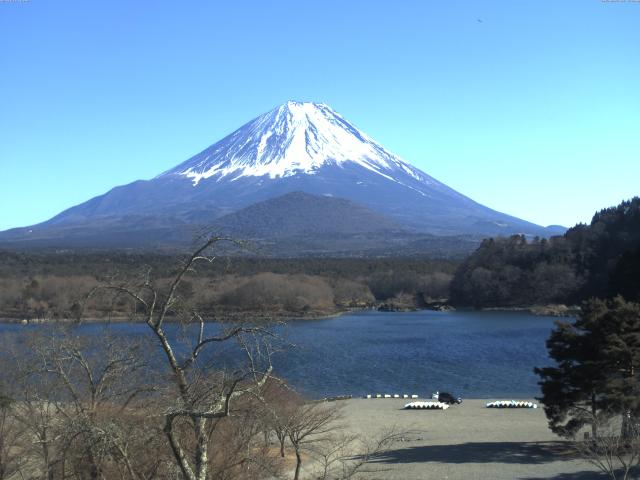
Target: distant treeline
x=597, y=260
x=54, y=285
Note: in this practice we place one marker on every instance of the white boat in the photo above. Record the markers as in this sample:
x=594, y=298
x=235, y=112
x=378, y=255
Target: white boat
x=511, y=404
x=426, y=406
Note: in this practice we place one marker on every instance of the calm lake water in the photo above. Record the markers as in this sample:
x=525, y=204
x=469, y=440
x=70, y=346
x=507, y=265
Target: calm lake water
x=472, y=354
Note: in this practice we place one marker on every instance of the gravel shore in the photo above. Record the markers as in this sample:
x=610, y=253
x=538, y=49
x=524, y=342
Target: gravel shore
x=467, y=441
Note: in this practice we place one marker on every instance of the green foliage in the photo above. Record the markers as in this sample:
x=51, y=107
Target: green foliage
x=513, y=271
x=597, y=366
x=601, y=260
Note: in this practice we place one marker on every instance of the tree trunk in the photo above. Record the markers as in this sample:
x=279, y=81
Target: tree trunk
x=626, y=428
x=594, y=412
x=202, y=453
x=296, y=475
x=94, y=469
x=178, y=452
x=48, y=474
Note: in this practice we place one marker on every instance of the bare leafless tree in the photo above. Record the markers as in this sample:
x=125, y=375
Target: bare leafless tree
x=311, y=424
x=173, y=404
x=614, y=454
x=314, y=432
x=279, y=404
x=79, y=403
x=348, y=456
x=100, y=379
x=319, y=439
x=202, y=394
x=11, y=436
x=39, y=396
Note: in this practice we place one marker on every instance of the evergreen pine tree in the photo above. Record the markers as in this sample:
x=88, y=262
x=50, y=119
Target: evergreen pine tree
x=597, y=367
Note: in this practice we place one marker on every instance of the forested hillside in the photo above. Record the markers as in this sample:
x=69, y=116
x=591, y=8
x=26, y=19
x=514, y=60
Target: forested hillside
x=53, y=285
x=601, y=259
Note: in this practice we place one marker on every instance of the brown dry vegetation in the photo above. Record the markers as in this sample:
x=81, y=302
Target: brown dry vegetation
x=94, y=408
x=162, y=405
x=53, y=286
x=102, y=407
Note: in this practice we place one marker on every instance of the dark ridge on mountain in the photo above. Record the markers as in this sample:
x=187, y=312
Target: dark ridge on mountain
x=297, y=147
x=303, y=214
x=301, y=224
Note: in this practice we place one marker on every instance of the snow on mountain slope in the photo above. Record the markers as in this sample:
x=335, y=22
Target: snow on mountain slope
x=296, y=138
x=296, y=147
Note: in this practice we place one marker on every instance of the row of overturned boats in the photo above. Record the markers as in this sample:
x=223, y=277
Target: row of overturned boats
x=444, y=400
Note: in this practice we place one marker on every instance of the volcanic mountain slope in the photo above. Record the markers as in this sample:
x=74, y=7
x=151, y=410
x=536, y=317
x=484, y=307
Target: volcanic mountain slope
x=297, y=147
x=299, y=214
x=299, y=223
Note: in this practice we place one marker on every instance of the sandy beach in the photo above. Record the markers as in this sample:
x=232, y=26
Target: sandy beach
x=467, y=441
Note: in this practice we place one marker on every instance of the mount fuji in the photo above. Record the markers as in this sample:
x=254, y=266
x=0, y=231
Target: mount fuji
x=299, y=147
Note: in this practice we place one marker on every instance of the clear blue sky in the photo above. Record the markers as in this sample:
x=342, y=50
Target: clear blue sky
x=529, y=107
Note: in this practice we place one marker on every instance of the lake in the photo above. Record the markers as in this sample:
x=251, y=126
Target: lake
x=468, y=353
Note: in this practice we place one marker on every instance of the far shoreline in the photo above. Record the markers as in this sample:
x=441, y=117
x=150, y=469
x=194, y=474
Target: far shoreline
x=560, y=311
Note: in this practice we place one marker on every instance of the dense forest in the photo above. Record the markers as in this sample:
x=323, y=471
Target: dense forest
x=601, y=259
x=54, y=285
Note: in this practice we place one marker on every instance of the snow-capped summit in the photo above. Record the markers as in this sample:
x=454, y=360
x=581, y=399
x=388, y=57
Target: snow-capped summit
x=341, y=176
x=294, y=138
